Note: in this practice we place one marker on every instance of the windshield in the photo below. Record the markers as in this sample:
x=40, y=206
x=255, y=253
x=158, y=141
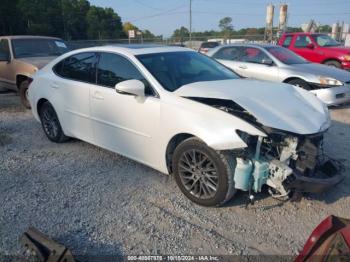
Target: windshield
x=38, y=47
x=175, y=69
x=286, y=56
x=325, y=40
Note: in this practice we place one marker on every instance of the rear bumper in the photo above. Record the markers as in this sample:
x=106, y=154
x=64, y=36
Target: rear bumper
x=334, y=95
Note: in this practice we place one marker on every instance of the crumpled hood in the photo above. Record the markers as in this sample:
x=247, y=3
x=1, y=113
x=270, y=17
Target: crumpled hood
x=276, y=105
x=38, y=62
x=322, y=70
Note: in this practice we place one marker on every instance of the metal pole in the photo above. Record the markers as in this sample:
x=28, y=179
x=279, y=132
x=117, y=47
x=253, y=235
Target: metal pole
x=190, y=23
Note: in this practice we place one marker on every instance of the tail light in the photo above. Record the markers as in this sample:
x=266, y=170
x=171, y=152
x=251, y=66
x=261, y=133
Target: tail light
x=204, y=50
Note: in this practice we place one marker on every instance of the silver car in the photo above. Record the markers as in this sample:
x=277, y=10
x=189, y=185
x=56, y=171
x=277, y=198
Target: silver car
x=278, y=64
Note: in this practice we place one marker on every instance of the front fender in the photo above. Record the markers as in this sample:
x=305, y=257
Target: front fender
x=215, y=127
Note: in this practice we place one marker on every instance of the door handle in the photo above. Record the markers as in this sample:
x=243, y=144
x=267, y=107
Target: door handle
x=98, y=95
x=54, y=85
x=242, y=67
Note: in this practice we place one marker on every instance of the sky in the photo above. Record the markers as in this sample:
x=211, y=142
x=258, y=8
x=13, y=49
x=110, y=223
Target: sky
x=162, y=17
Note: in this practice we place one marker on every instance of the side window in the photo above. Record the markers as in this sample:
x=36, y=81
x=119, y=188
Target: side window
x=302, y=41
x=228, y=53
x=4, y=50
x=113, y=69
x=253, y=55
x=80, y=67
x=287, y=40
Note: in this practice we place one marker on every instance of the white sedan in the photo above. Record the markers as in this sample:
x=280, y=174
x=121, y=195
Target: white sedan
x=185, y=114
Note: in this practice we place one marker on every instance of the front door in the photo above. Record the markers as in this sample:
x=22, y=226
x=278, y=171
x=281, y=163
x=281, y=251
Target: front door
x=304, y=46
x=253, y=65
x=124, y=123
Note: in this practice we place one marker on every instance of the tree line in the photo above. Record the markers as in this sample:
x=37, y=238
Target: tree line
x=68, y=19
x=226, y=31
x=79, y=20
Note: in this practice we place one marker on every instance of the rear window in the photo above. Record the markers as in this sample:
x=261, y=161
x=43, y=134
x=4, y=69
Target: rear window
x=209, y=44
x=79, y=67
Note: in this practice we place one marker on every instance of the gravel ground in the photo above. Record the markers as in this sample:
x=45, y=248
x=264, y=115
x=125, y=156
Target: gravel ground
x=96, y=202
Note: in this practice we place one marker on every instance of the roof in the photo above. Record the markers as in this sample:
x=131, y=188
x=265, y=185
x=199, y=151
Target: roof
x=137, y=49
x=249, y=45
x=303, y=33
x=28, y=37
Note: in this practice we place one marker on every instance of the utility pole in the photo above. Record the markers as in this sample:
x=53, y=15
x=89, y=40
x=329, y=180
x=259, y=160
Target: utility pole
x=191, y=23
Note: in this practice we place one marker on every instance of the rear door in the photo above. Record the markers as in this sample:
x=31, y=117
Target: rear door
x=76, y=75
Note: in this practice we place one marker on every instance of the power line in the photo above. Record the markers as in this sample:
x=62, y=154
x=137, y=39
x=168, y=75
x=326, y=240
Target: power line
x=166, y=12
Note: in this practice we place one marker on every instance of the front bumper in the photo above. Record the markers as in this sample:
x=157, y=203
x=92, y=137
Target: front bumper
x=346, y=65
x=334, y=95
x=319, y=182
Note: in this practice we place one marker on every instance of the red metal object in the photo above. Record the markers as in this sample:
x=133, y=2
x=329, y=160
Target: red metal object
x=330, y=241
x=314, y=52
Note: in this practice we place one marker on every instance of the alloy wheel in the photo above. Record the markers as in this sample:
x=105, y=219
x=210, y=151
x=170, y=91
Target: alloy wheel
x=50, y=123
x=198, y=174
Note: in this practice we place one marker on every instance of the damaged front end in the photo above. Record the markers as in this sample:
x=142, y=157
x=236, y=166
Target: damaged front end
x=285, y=161
x=289, y=162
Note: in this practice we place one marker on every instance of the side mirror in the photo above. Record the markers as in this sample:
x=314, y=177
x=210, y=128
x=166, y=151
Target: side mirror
x=267, y=61
x=131, y=87
x=310, y=46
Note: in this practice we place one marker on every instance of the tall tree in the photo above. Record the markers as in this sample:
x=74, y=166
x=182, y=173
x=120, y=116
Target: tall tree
x=11, y=21
x=225, y=24
x=42, y=17
x=74, y=23
x=129, y=26
x=180, y=34
x=103, y=23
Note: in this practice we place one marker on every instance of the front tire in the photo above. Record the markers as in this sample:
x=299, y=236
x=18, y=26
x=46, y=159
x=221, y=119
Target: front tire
x=333, y=63
x=204, y=175
x=23, y=93
x=51, y=124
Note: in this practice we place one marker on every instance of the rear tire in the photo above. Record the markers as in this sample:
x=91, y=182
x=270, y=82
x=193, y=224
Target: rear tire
x=333, y=63
x=300, y=83
x=203, y=175
x=23, y=93
x=51, y=124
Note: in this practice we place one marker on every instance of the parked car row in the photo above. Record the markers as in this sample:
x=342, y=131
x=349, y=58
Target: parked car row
x=317, y=48
x=22, y=56
x=278, y=64
x=183, y=113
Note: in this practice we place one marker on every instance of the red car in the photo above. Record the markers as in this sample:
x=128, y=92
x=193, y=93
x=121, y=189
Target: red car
x=317, y=48
x=330, y=241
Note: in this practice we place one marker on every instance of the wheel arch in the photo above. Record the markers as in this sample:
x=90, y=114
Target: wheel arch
x=293, y=78
x=20, y=78
x=331, y=59
x=41, y=101
x=171, y=146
